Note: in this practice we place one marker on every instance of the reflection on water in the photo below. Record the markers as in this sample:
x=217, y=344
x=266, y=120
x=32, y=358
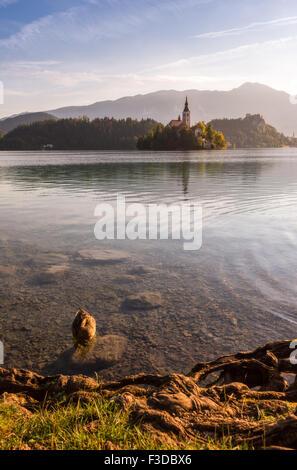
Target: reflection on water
x=236, y=292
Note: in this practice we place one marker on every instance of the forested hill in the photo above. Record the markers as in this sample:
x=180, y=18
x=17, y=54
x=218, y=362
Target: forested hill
x=82, y=134
x=251, y=132
x=10, y=123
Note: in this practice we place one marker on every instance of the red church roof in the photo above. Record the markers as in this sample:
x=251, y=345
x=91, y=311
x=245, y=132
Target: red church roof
x=175, y=123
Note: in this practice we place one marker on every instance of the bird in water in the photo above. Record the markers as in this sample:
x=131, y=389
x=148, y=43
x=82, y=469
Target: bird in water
x=83, y=329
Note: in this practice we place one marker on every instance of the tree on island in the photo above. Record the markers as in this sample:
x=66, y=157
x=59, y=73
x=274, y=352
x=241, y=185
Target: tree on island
x=198, y=137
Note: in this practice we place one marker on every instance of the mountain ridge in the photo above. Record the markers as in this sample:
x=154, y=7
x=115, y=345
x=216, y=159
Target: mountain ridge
x=205, y=105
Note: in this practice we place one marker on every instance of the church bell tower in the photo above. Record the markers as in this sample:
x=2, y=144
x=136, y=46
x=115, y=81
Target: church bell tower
x=187, y=115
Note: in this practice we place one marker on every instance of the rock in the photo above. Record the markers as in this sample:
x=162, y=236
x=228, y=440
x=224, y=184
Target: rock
x=52, y=274
x=50, y=259
x=143, y=300
x=83, y=328
x=103, y=256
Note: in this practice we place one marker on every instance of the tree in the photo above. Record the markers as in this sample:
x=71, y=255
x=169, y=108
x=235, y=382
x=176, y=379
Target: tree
x=99, y=134
x=172, y=138
x=202, y=127
x=220, y=141
x=210, y=133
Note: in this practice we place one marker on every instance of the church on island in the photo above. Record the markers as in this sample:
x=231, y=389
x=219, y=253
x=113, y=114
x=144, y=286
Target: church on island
x=179, y=123
x=185, y=121
x=179, y=134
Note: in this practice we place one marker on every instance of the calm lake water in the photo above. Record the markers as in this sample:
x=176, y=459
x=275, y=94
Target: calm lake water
x=237, y=292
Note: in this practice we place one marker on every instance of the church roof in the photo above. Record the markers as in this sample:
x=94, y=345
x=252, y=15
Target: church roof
x=175, y=123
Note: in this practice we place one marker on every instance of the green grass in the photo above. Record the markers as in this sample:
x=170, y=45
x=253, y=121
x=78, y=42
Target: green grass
x=62, y=426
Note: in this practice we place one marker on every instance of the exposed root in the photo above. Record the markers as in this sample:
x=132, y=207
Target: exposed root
x=216, y=400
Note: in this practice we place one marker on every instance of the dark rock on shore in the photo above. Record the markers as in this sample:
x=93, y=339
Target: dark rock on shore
x=143, y=300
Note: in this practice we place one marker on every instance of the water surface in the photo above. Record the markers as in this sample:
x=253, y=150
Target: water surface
x=238, y=291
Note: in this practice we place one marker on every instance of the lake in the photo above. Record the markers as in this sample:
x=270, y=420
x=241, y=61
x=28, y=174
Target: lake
x=235, y=293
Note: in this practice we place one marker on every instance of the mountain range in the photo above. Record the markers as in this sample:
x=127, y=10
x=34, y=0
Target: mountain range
x=254, y=98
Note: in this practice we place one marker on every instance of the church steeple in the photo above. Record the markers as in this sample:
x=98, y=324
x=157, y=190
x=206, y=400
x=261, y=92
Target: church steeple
x=187, y=115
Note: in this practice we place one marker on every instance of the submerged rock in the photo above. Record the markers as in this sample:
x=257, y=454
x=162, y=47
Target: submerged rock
x=52, y=274
x=49, y=259
x=83, y=328
x=143, y=300
x=106, y=350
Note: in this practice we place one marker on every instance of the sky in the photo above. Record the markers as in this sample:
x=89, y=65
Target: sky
x=56, y=53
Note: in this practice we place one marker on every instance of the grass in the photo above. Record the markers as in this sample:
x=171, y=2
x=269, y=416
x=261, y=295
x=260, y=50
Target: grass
x=67, y=427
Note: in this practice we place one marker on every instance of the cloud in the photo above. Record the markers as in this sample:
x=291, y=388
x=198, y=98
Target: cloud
x=290, y=20
x=86, y=23
x=27, y=32
x=41, y=71
x=232, y=53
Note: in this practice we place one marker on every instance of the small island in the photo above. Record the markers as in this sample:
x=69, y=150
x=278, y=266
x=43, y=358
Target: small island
x=179, y=135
